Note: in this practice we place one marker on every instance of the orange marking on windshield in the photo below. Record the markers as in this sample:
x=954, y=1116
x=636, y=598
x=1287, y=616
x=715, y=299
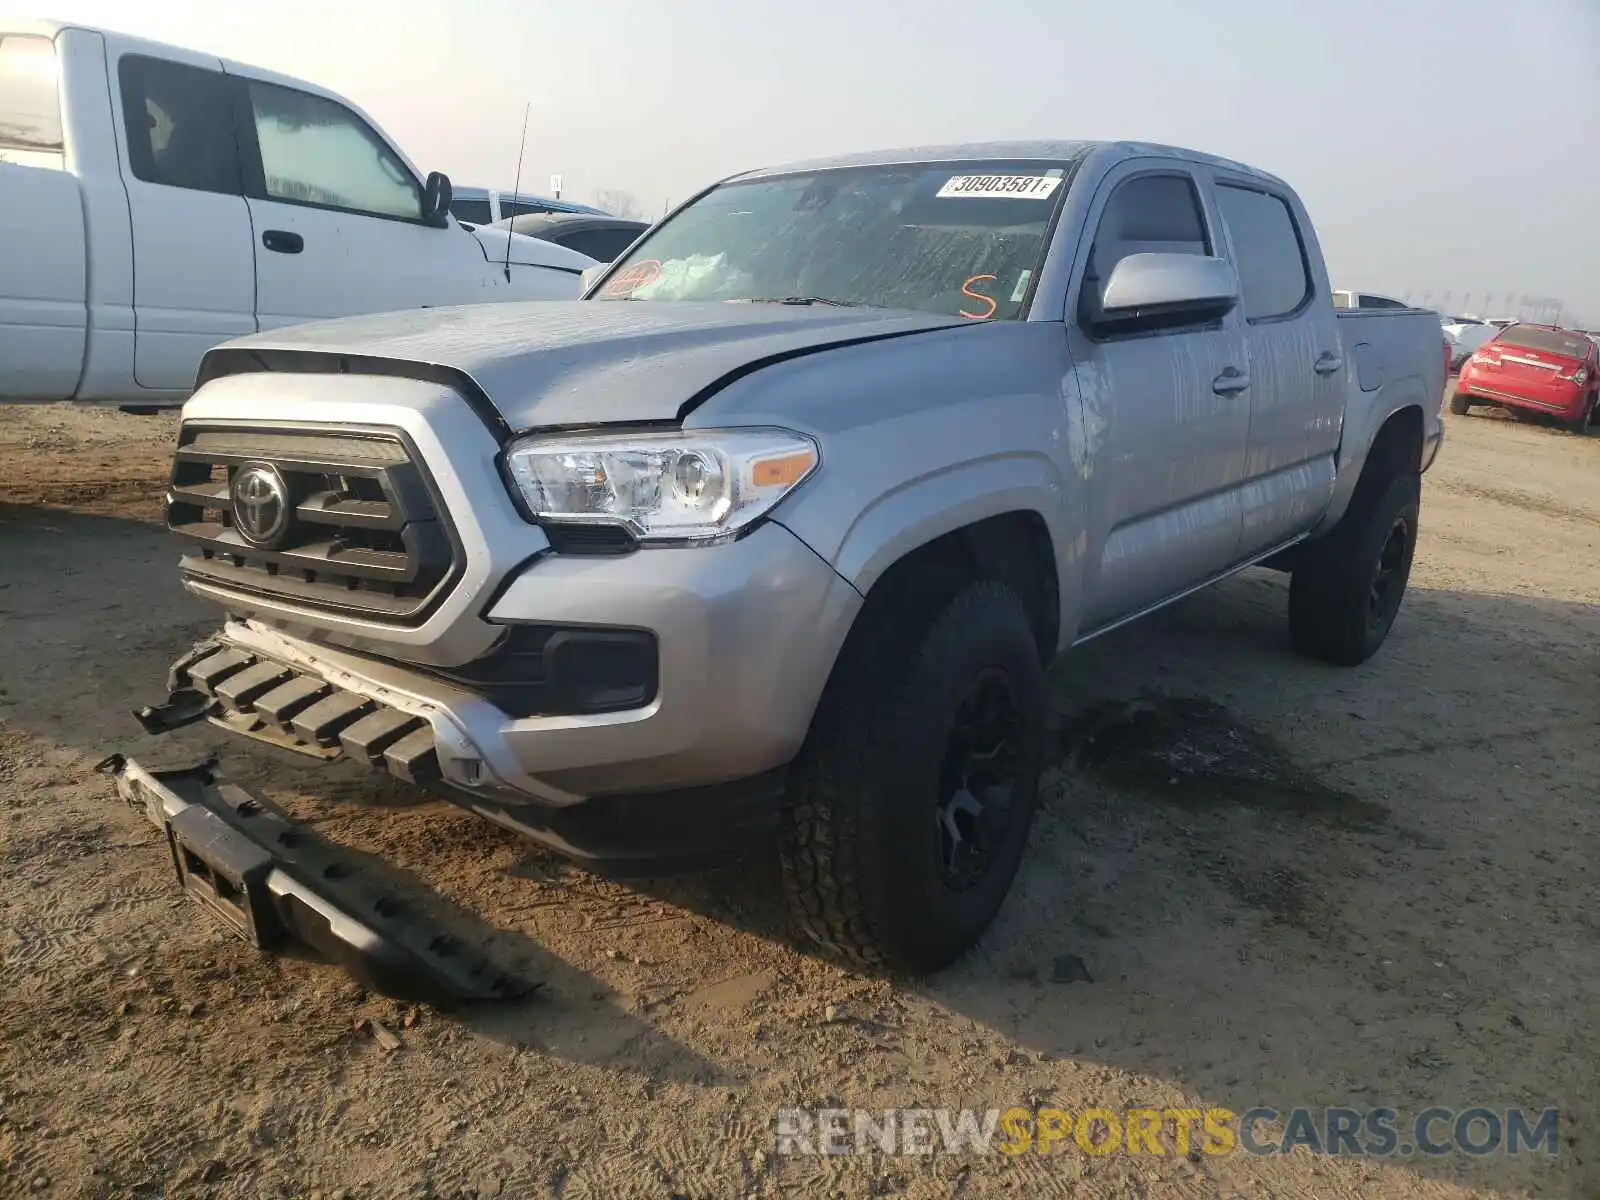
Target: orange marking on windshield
x=966, y=290
x=632, y=277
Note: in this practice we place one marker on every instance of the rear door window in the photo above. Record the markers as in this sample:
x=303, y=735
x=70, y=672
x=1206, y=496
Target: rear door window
x=1566, y=342
x=1273, y=277
x=30, y=102
x=602, y=245
x=179, y=123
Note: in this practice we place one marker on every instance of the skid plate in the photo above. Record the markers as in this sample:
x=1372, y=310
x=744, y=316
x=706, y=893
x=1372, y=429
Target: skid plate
x=274, y=882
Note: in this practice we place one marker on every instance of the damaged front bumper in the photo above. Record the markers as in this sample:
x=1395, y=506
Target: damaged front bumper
x=272, y=693
x=273, y=702
x=274, y=882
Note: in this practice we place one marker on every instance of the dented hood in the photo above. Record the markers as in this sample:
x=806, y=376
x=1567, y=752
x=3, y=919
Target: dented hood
x=550, y=363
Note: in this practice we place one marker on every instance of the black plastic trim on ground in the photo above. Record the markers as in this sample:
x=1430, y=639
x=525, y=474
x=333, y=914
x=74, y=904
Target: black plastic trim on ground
x=274, y=882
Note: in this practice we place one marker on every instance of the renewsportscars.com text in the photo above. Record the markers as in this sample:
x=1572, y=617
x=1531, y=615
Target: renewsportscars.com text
x=1373, y=1132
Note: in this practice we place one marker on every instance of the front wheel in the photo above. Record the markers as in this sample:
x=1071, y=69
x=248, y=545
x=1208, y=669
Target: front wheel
x=909, y=807
x=1347, y=587
x=1459, y=403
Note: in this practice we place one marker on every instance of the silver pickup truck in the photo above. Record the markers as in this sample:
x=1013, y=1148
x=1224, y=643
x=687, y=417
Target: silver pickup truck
x=771, y=537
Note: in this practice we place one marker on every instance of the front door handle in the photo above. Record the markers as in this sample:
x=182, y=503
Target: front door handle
x=1231, y=382
x=1328, y=363
x=282, y=241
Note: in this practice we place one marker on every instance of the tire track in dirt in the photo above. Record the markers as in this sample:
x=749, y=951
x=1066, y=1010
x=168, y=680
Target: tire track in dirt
x=1546, y=506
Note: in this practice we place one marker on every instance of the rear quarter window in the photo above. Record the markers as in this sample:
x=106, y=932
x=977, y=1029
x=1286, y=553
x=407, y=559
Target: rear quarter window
x=30, y=101
x=602, y=245
x=1268, y=252
x=1551, y=341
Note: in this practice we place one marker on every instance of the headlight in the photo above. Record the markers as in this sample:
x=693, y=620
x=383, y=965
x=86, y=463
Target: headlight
x=697, y=486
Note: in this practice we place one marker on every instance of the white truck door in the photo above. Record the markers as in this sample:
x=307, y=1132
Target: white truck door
x=193, y=266
x=337, y=214
x=1295, y=357
x=43, y=315
x=1167, y=410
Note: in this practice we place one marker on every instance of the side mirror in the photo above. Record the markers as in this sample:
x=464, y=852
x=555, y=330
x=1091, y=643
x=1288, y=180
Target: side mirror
x=1168, y=289
x=436, y=197
x=590, y=274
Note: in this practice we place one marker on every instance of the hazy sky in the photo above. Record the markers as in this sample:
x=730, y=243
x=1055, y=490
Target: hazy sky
x=1439, y=144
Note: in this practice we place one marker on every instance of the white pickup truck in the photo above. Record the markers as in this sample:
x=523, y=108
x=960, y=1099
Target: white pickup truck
x=155, y=201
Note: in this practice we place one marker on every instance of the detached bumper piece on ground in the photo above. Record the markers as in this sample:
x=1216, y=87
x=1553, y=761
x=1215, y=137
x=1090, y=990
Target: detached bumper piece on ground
x=274, y=883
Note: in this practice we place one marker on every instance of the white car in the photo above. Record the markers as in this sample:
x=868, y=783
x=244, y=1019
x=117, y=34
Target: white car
x=155, y=202
x=1465, y=336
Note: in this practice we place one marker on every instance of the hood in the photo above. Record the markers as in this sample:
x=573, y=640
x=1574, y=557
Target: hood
x=528, y=251
x=554, y=363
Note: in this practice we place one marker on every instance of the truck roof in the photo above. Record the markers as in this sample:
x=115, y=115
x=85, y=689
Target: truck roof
x=51, y=28
x=48, y=27
x=1057, y=151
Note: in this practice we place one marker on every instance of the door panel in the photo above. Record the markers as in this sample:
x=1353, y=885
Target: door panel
x=337, y=215
x=1296, y=363
x=193, y=265
x=42, y=259
x=1168, y=446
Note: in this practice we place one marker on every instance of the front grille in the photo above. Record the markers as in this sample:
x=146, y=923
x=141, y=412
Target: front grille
x=365, y=534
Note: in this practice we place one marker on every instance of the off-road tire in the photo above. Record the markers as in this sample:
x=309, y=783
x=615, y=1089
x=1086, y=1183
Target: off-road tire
x=1459, y=404
x=1330, y=612
x=859, y=839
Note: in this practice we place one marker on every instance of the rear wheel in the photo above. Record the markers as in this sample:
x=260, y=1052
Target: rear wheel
x=1580, y=424
x=909, y=808
x=1347, y=587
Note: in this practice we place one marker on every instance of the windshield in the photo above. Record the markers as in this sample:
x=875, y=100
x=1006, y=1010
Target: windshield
x=1551, y=341
x=964, y=239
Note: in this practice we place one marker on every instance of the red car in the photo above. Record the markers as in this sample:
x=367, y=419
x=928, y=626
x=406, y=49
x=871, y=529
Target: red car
x=1536, y=368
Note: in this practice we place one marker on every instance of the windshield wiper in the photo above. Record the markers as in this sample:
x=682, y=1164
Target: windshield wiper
x=806, y=300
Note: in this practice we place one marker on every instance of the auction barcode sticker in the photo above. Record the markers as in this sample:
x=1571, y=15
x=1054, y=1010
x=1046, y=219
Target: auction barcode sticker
x=992, y=187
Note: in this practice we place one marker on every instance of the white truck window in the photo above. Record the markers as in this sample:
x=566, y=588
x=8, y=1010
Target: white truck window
x=30, y=104
x=316, y=151
x=179, y=123
x=1266, y=245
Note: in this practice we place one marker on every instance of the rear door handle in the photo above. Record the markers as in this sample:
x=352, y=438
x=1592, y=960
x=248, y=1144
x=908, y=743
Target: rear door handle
x=282, y=241
x=1328, y=363
x=1231, y=382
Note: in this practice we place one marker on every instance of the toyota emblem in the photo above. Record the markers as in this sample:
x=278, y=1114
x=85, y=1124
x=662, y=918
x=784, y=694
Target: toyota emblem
x=260, y=502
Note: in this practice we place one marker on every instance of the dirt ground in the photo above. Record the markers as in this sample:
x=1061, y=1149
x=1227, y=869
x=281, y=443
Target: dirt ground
x=1258, y=880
